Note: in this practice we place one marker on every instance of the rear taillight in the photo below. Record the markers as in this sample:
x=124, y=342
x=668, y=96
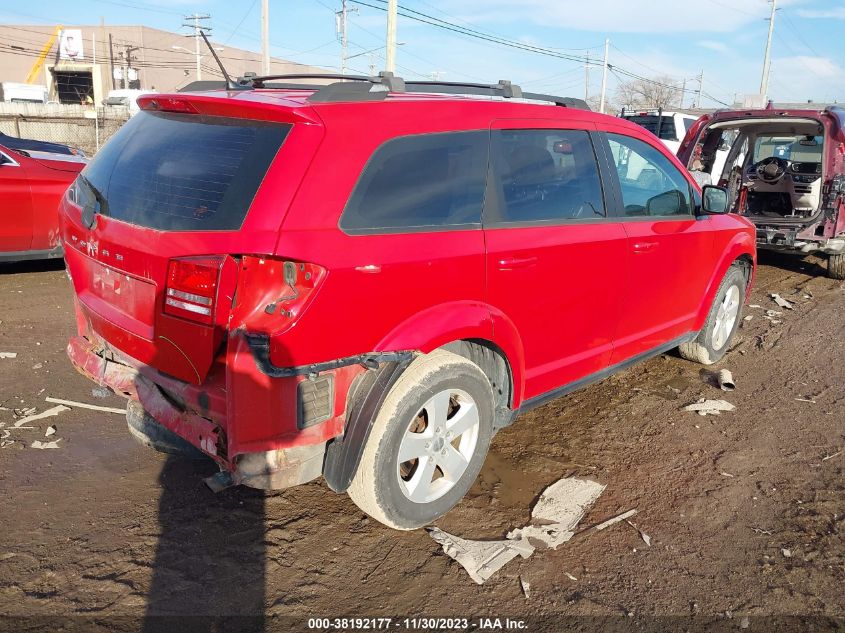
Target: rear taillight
x=191, y=291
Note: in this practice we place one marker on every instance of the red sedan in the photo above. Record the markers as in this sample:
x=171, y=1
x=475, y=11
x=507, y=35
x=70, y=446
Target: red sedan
x=31, y=184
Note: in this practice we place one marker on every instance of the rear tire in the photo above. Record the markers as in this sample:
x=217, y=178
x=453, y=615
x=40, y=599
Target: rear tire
x=714, y=339
x=438, y=417
x=836, y=266
x=147, y=431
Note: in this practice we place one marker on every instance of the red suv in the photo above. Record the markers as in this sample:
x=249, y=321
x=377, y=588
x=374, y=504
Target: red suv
x=365, y=281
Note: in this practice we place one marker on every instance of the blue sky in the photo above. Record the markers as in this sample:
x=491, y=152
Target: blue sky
x=678, y=38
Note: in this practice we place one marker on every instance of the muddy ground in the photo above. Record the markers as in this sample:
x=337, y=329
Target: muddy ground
x=745, y=511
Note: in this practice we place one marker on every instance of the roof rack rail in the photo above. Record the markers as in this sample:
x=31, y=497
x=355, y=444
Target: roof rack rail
x=377, y=88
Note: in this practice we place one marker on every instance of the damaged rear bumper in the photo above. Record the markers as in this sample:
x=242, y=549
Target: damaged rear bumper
x=273, y=469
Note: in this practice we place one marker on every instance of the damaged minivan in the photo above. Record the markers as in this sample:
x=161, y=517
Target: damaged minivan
x=783, y=169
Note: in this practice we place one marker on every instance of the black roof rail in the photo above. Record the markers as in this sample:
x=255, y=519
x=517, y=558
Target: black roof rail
x=376, y=88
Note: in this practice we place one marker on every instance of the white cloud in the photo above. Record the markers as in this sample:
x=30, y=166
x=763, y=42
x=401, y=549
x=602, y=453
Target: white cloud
x=803, y=77
x=713, y=45
x=836, y=14
x=621, y=16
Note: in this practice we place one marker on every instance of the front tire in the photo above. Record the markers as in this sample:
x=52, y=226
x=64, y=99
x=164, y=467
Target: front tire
x=427, y=444
x=724, y=317
x=836, y=266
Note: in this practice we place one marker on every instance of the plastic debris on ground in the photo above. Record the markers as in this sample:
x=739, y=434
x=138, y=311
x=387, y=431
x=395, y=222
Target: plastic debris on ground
x=617, y=519
x=526, y=587
x=645, y=537
x=725, y=380
x=553, y=521
x=783, y=303
x=40, y=444
x=8, y=354
x=40, y=416
x=481, y=559
x=85, y=405
x=710, y=407
x=558, y=511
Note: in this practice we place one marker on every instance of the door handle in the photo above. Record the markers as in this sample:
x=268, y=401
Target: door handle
x=512, y=263
x=644, y=247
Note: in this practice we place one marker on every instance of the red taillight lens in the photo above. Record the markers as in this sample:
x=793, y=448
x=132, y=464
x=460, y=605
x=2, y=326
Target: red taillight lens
x=191, y=291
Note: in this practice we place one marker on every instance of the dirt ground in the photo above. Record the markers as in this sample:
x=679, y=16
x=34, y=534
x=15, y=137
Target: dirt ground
x=745, y=510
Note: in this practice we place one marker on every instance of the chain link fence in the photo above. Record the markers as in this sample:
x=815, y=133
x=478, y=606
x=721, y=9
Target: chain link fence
x=86, y=128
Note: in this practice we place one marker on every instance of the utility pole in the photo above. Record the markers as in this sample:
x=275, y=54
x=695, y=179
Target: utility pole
x=764, y=81
x=700, y=88
x=342, y=21
x=683, y=92
x=126, y=63
x=390, y=58
x=198, y=29
x=587, y=77
x=604, y=76
x=265, y=37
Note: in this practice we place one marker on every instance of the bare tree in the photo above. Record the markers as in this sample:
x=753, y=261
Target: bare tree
x=658, y=92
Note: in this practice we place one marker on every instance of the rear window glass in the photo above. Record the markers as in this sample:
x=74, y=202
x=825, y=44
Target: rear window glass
x=420, y=182
x=546, y=175
x=662, y=127
x=174, y=172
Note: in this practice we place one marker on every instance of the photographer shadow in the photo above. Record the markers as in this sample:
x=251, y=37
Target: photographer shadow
x=209, y=566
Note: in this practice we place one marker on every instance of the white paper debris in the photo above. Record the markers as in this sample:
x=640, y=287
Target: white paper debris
x=786, y=553
x=481, y=559
x=84, y=405
x=570, y=576
x=615, y=520
x=40, y=444
x=51, y=430
x=8, y=354
x=40, y=416
x=710, y=407
x=526, y=587
x=754, y=305
x=811, y=401
x=783, y=303
x=725, y=380
x=748, y=318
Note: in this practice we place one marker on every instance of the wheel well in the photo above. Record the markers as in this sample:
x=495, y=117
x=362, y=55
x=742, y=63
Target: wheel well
x=493, y=362
x=747, y=265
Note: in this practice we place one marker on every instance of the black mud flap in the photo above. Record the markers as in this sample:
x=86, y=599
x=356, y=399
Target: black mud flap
x=343, y=454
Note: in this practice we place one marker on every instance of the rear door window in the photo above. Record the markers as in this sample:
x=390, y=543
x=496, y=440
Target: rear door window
x=545, y=176
x=175, y=172
x=421, y=182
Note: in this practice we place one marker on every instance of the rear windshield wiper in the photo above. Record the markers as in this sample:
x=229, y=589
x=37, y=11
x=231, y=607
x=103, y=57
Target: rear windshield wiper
x=98, y=196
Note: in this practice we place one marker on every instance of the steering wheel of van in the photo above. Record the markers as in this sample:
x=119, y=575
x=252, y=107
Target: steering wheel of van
x=772, y=169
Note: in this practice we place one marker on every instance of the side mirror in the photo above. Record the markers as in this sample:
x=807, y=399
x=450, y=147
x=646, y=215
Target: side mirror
x=714, y=200
x=667, y=203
